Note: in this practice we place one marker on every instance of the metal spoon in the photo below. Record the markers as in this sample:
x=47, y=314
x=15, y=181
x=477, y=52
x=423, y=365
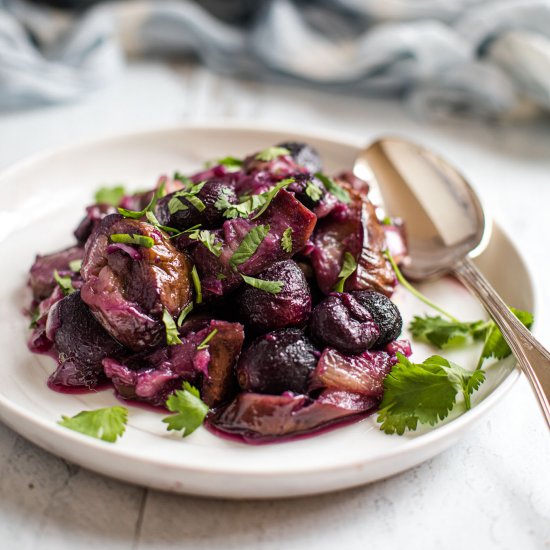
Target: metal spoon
x=446, y=226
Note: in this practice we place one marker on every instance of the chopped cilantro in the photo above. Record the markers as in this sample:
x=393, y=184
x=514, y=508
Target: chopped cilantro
x=248, y=246
x=208, y=239
x=204, y=343
x=197, y=285
x=286, y=240
x=172, y=333
x=273, y=287
x=271, y=153
x=140, y=240
x=332, y=187
x=189, y=408
x=348, y=268
x=110, y=195
x=75, y=266
x=137, y=214
x=65, y=283
x=184, y=313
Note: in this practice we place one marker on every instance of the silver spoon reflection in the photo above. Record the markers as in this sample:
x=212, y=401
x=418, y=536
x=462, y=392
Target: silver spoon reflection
x=446, y=226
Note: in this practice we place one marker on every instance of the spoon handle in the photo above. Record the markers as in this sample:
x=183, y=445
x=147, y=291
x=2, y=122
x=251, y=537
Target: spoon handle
x=532, y=357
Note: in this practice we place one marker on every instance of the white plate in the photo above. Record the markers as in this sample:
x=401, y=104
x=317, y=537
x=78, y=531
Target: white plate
x=43, y=201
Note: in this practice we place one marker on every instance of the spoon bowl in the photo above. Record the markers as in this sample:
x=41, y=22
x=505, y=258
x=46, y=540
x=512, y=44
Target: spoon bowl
x=446, y=226
x=443, y=216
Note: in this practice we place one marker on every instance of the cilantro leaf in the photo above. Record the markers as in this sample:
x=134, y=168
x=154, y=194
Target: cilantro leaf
x=190, y=409
x=273, y=287
x=137, y=214
x=172, y=333
x=348, y=268
x=196, y=284
x=153, y=220
x=110, y=195
x=332, y=187
x=251, y=203
x=207, y=238
x=75, y=266
x=444, y=333
x=65, y=283
x=107, y=424
x=313, y=192
x=271, y=153
x=204, y=343
x=424, y=393
x=187, y=181
x=495, y=344
x=189, y=194
x=184, y=313
x=286, y=239
x=140, y=240
x=415, y=393
x=232, y=163
x=248, y=246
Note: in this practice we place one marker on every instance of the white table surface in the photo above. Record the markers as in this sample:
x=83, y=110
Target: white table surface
x=492, y=490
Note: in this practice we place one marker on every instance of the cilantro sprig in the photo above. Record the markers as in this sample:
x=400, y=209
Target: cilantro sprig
x=172, y=333
x=189, y=194
x=271, y=153
x=107, y=424
x=189, y=408
x=286, y=240
x=126, y=238
x=138, y=214
x=424, y=393
x=110, y=195
x=332, y=187
x=208, y=239
x=273, y=287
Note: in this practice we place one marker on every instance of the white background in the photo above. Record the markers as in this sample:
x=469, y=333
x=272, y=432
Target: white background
x=492, y=490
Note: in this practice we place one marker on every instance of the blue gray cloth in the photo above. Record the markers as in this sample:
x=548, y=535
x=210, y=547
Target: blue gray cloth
x=487, y=58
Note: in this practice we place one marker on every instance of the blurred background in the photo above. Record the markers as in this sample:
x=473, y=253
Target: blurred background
x=469, y=78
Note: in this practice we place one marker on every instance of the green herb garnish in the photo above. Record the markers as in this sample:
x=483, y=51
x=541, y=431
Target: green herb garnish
x=232, y=163
x=187, y=181
x=204, y=343
x=190, y=195
x=197, y=285
x=75, y=266
x=313, y=192
x=126, y=238
x=184, y=313
x=332, y=187
x=110, y=195
x=153, y=220
x=107, y=424
x=172, y=333
x=424, y=392
x=348, y=268
x=65, y=283
x=189, y=408
x=271, y=153
x=138, y=214
x=248, y=246
x=208, y=239
x=273, y=287
x=286, y=239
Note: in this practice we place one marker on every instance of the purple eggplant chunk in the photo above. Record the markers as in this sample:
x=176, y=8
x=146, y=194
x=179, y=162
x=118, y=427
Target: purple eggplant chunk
x=277, y=362
x=41, y=278
x=356, y=230
x=258, y=418
x=128, y=290
x=342, y=322
x=304, y=155
x=362, y=374
x=216, y=273
x=262, y=312
x=189, y=216
x=152, y=377
x=81, y=344
x=94, y=214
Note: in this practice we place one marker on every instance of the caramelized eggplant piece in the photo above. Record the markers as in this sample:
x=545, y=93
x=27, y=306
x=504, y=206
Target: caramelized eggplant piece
x=304, y=155
x=128, y=287
x=356, y=230
x=342, y=322
x=42, y=279
x=151, y=377
x=262, y=312
x=94, y=214
x=258, y=418
x=188, y=215
x=81, y=344
x=216, y=273
x=277, y=362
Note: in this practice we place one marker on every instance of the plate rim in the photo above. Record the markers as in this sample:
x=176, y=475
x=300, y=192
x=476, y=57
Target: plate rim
x=442, y=433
